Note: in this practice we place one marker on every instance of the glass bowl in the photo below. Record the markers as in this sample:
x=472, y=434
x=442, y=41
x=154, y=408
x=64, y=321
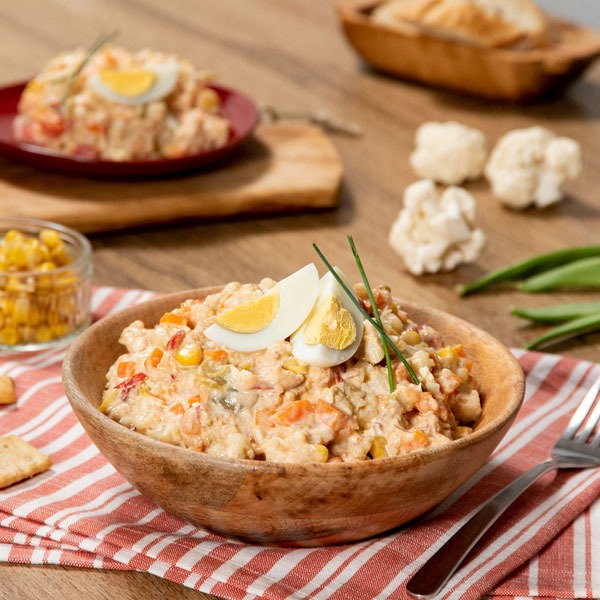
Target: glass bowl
x=45, y=284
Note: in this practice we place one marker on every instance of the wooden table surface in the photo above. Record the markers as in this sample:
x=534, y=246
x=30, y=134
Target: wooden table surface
x=291, y=54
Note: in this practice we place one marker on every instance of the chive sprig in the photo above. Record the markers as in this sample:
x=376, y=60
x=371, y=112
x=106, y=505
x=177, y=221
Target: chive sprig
x=386, y=349
x=367, y=316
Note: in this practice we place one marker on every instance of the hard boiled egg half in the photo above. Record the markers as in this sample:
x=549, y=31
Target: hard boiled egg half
x=135, y=85
x=272, y=317
x=332, y=332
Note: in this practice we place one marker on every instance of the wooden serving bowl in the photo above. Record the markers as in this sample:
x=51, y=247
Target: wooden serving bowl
x=291, y=504
x=421, y=55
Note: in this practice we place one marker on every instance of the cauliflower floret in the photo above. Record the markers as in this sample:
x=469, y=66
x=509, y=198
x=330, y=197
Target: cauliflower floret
x=449, y=152
x=529, y=166
x=434, y=233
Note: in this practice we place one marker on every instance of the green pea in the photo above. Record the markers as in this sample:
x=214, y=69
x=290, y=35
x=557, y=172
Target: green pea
x=558, y=313
x=529, y=267
x=584, y=273
x=568, y=330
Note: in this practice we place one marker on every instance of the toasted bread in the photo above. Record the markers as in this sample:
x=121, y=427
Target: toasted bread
x=493, y=23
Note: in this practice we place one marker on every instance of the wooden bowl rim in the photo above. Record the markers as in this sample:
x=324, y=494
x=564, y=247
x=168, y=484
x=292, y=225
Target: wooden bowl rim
x=78, y=399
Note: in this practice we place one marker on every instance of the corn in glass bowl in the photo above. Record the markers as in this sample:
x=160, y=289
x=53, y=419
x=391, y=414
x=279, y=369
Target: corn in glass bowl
x=45, y=284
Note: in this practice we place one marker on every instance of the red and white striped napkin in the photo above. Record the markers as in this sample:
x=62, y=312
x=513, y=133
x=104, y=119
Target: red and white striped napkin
x=83, y=513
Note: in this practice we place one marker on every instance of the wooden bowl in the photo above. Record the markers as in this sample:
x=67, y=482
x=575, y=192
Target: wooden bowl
x=291, y=504
x=415, y=53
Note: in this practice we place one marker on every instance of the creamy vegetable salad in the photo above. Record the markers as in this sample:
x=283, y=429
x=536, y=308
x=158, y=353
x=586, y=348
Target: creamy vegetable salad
x=121, y=106
x=287, y=371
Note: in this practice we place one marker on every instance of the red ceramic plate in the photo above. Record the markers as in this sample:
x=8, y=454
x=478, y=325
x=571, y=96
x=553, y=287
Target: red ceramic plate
x=239, y=109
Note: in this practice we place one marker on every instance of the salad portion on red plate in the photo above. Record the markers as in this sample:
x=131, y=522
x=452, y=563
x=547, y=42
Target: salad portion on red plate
x=115, y=112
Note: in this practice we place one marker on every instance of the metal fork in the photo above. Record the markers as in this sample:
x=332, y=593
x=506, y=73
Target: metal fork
x=573, y=450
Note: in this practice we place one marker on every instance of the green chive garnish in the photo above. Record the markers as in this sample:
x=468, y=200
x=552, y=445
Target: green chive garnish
x=386, y=350
x=100, y=42
x=367, y=316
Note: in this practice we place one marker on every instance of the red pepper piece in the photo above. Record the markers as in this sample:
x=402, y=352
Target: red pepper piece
x=127, y=385
x=176, y=340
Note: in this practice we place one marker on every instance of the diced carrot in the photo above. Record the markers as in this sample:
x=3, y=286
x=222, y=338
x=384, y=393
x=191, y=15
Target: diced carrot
x=153, y=359
x=173, y=318
x=420, y=440
x=330, y=415
x=216, y=354
x=177, y=409
x=427, y=403
x=293, y=412
x=53, y=125
x=194, y=400
x=469, y=365
x=125, y=369
x=459, y=350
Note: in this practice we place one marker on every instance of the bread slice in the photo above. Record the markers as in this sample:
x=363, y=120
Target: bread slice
x=493, y=23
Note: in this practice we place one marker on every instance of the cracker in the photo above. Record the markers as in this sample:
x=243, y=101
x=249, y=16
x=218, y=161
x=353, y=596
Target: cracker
x=7, y=390
x=19, y=460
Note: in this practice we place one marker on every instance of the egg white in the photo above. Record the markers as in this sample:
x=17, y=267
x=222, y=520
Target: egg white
x=297, y=295
x=320, y=355
x=166, y=78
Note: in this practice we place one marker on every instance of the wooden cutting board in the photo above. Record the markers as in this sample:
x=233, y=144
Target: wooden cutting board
x=285, y=166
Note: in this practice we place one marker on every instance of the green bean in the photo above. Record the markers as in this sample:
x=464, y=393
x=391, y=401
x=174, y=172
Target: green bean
x=558, y=313
x=568, y=330
x=530, y=266
x=584, y=273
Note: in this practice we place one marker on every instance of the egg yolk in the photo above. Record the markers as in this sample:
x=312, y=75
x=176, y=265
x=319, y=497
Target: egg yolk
x=252, y=316
x=331, y=325
x=128, y=82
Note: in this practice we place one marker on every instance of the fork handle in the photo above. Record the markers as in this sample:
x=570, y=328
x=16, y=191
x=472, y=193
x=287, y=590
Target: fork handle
x=435, y=573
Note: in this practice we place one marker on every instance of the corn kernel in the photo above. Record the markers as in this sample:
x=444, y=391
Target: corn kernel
x=412, y=337
x=60, y=330
x=17, y=284
x=14, y=235
x=189, y=355
x=448, y=357
x=20, y=313
x=321, y=453
x=109, y=398
x=16, y=256
x=43, y=334
x=208, y=100
x=420, y=440
x=9, y=336
x=65, y=280
x=27, y=333
x=60, y=255
x=34, y=315
x=33, y=252
x=292, y=364
x=50, y=238
x=378, y=447
x=30, y=309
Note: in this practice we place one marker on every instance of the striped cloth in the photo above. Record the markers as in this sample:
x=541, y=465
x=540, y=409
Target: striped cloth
x=82, y=513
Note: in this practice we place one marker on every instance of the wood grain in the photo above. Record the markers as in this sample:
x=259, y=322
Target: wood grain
x=291, y=504
x=416, y=53
x=292, y=54
x=284, y=167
